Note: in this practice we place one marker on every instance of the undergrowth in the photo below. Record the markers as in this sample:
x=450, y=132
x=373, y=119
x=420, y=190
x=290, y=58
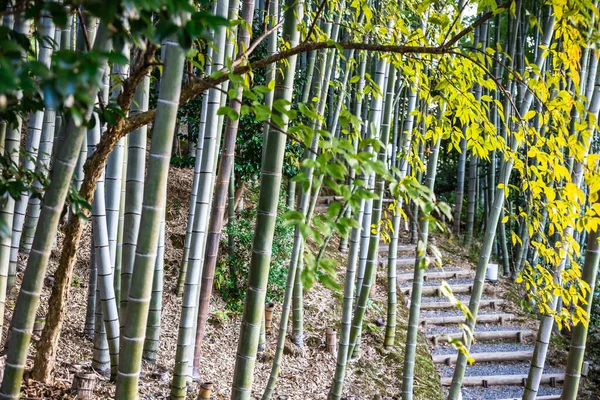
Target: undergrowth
x=232, y=272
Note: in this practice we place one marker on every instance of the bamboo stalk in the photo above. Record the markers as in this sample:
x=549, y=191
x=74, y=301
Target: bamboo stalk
x=267, y=209
x=152, y=212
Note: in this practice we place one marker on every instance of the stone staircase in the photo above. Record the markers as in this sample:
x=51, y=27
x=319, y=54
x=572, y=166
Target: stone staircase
x=503, y=345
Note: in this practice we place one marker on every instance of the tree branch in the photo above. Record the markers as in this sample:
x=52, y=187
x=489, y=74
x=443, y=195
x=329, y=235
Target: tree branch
x=475, y=24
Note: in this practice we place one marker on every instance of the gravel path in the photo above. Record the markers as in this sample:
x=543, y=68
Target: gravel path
x=484, y=348
x=505, y=368
x=437, y=330
x=425, y=314
x=445, y=268
x=503, y=392
x=462, y=298
x=464, y=281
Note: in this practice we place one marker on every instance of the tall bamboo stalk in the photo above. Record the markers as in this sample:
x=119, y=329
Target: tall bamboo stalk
x=580, y=331
x=104, y=265
x=43, y=162
x=488, y=239
x=185, y=338
x=34, y=134
x=420, y=265
x=375, y=114
x=547, y=321
x=152, y=340
x=219, y=200
x=12, y=145
x=195, y=183
x=153, y=207
x=29, y=295
x=120, y=230
x=134, y=189
x=337, y=386
x=265, y=222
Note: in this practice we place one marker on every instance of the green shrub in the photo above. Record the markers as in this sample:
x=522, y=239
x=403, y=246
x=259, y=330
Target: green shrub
x=233, y=288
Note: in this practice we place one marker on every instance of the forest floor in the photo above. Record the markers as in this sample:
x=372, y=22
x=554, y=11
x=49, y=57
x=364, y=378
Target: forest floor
x=305, y=374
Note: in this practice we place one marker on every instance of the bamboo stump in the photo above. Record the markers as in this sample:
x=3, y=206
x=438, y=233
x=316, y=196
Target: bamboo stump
x=269, y=307
x=331, y=341
x=205, y=391
x=84, y=384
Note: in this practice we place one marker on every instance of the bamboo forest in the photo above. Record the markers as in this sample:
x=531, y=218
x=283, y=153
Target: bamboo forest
x=299, y=199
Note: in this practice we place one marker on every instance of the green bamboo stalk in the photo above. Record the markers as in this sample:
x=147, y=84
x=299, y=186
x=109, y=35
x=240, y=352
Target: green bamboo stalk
x=312, y=58
x=471, y=201
x=34, y=134
x=90, y=322
x=335, y=392
x=139, y=294
x=420, y=265
x=40, y=136
x=134, y=189
x=320, y=92
x=196, y=180
x=114, y=167
x=547, y=321
x=580, y=331
x=12, y=145
x=488, y=239
x=104, y=264
x=121, y=229
x=52, y=205
x=187, y=321
x=390, y=323
x=151, y=343
x=270, y=75
x=215, y=225
x=375, y=114
x=266, y=213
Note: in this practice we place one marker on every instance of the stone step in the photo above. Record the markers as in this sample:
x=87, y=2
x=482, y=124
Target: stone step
x=517, y=335
x=435, y=305
x=400, y=262
x=460, y=319
x=436, y=275
x=551, y=397
x=384, y=248
x=490, y=380
x=456, y=289
x=450, y=359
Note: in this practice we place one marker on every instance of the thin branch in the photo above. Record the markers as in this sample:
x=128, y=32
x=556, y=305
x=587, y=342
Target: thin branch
x=88, y=44
x=475, y=24
x=455, y=20
x=255, y=44
x=267, y=16
x=314, y=22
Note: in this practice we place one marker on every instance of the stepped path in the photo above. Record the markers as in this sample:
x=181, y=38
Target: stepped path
x=503, y=343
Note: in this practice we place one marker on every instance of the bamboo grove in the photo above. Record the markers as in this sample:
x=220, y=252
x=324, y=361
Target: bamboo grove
x=391, y=96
